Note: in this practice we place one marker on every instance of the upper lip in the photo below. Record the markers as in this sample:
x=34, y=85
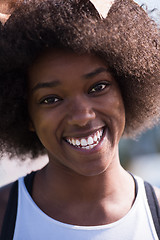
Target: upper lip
x=81, y=134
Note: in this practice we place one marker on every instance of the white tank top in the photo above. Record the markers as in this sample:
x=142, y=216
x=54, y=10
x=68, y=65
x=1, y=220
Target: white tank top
x=33, y=224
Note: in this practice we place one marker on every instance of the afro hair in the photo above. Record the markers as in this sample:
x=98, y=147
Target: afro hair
x=127, y=39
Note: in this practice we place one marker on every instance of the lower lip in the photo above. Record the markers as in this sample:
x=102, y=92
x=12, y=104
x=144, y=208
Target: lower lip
x=94, y=149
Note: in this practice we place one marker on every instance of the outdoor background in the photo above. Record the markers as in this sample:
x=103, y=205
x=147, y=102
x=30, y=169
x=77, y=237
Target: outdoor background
x=141, y=156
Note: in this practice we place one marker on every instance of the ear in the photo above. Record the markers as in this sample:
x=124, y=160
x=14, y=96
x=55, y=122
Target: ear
x=31, y=126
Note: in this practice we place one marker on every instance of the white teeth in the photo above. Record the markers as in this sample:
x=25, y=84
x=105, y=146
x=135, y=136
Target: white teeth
x=78, y=142
x=94, y=144
x=101, y=133
x=95, y=138
x=90, y=146
x=73, y=142
x=86, y=143
x=90, y=140
x=83, y=142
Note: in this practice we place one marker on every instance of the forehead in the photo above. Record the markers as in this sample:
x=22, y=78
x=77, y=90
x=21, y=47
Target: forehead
x=62, y=63
x=59, y=57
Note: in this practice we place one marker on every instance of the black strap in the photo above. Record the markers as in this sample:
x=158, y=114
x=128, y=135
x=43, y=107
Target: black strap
x=28, y=180
x=154, y=206
x=10, y=215
x=11, y=211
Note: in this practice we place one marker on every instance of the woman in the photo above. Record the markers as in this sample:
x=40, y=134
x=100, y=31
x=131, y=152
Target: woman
x=72, y=84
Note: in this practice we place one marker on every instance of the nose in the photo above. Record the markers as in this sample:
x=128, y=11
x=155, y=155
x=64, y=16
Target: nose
x=80, y=112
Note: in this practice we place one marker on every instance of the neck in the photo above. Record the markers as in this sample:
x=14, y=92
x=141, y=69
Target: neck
x=82, y=200
x=65, y=184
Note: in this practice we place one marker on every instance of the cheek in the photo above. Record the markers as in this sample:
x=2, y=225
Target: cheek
x=45, y=122
x=45, y=132
x=119, y=114
x=117, y=104
x=113, y=107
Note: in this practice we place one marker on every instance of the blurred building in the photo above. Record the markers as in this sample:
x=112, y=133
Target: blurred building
x=142, y=156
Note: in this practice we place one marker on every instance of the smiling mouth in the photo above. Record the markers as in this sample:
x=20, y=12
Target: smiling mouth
x=88, y=142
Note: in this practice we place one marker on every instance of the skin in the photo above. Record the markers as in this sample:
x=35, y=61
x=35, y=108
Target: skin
x=64, y=102
x=78, y=111
x=74, y=96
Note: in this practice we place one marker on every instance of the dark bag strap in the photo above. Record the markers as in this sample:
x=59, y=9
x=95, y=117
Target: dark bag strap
x=10, y=214
x=154, y=206
x=28, y=180
x=11, y=210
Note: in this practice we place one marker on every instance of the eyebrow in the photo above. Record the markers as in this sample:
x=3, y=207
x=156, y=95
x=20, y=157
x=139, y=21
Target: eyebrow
x=50, y=84
x=56, y=83
x=96, y=72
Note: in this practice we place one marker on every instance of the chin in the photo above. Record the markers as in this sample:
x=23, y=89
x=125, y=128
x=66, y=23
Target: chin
x=91, y=171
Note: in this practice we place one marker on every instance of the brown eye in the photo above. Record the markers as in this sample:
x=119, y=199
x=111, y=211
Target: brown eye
x=50, y=100
x=99, y=87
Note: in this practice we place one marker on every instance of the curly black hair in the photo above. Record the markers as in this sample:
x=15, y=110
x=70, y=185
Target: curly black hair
x=127, y=39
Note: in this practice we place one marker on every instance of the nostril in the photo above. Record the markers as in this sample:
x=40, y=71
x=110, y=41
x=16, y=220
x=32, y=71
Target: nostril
x=80, y=111
x=80, y=117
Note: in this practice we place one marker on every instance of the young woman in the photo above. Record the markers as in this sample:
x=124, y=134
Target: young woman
x=72, y=84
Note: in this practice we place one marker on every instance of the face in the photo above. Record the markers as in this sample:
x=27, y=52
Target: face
x=76, y=110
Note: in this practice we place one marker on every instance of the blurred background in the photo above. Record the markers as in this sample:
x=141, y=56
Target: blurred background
x=140, y=156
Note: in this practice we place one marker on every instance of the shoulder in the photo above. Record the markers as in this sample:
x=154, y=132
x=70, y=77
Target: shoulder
x=4, y=196
x=157, y=192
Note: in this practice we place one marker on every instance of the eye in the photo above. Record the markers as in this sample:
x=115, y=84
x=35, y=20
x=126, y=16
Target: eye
x=50, y=100
x=99, y=87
